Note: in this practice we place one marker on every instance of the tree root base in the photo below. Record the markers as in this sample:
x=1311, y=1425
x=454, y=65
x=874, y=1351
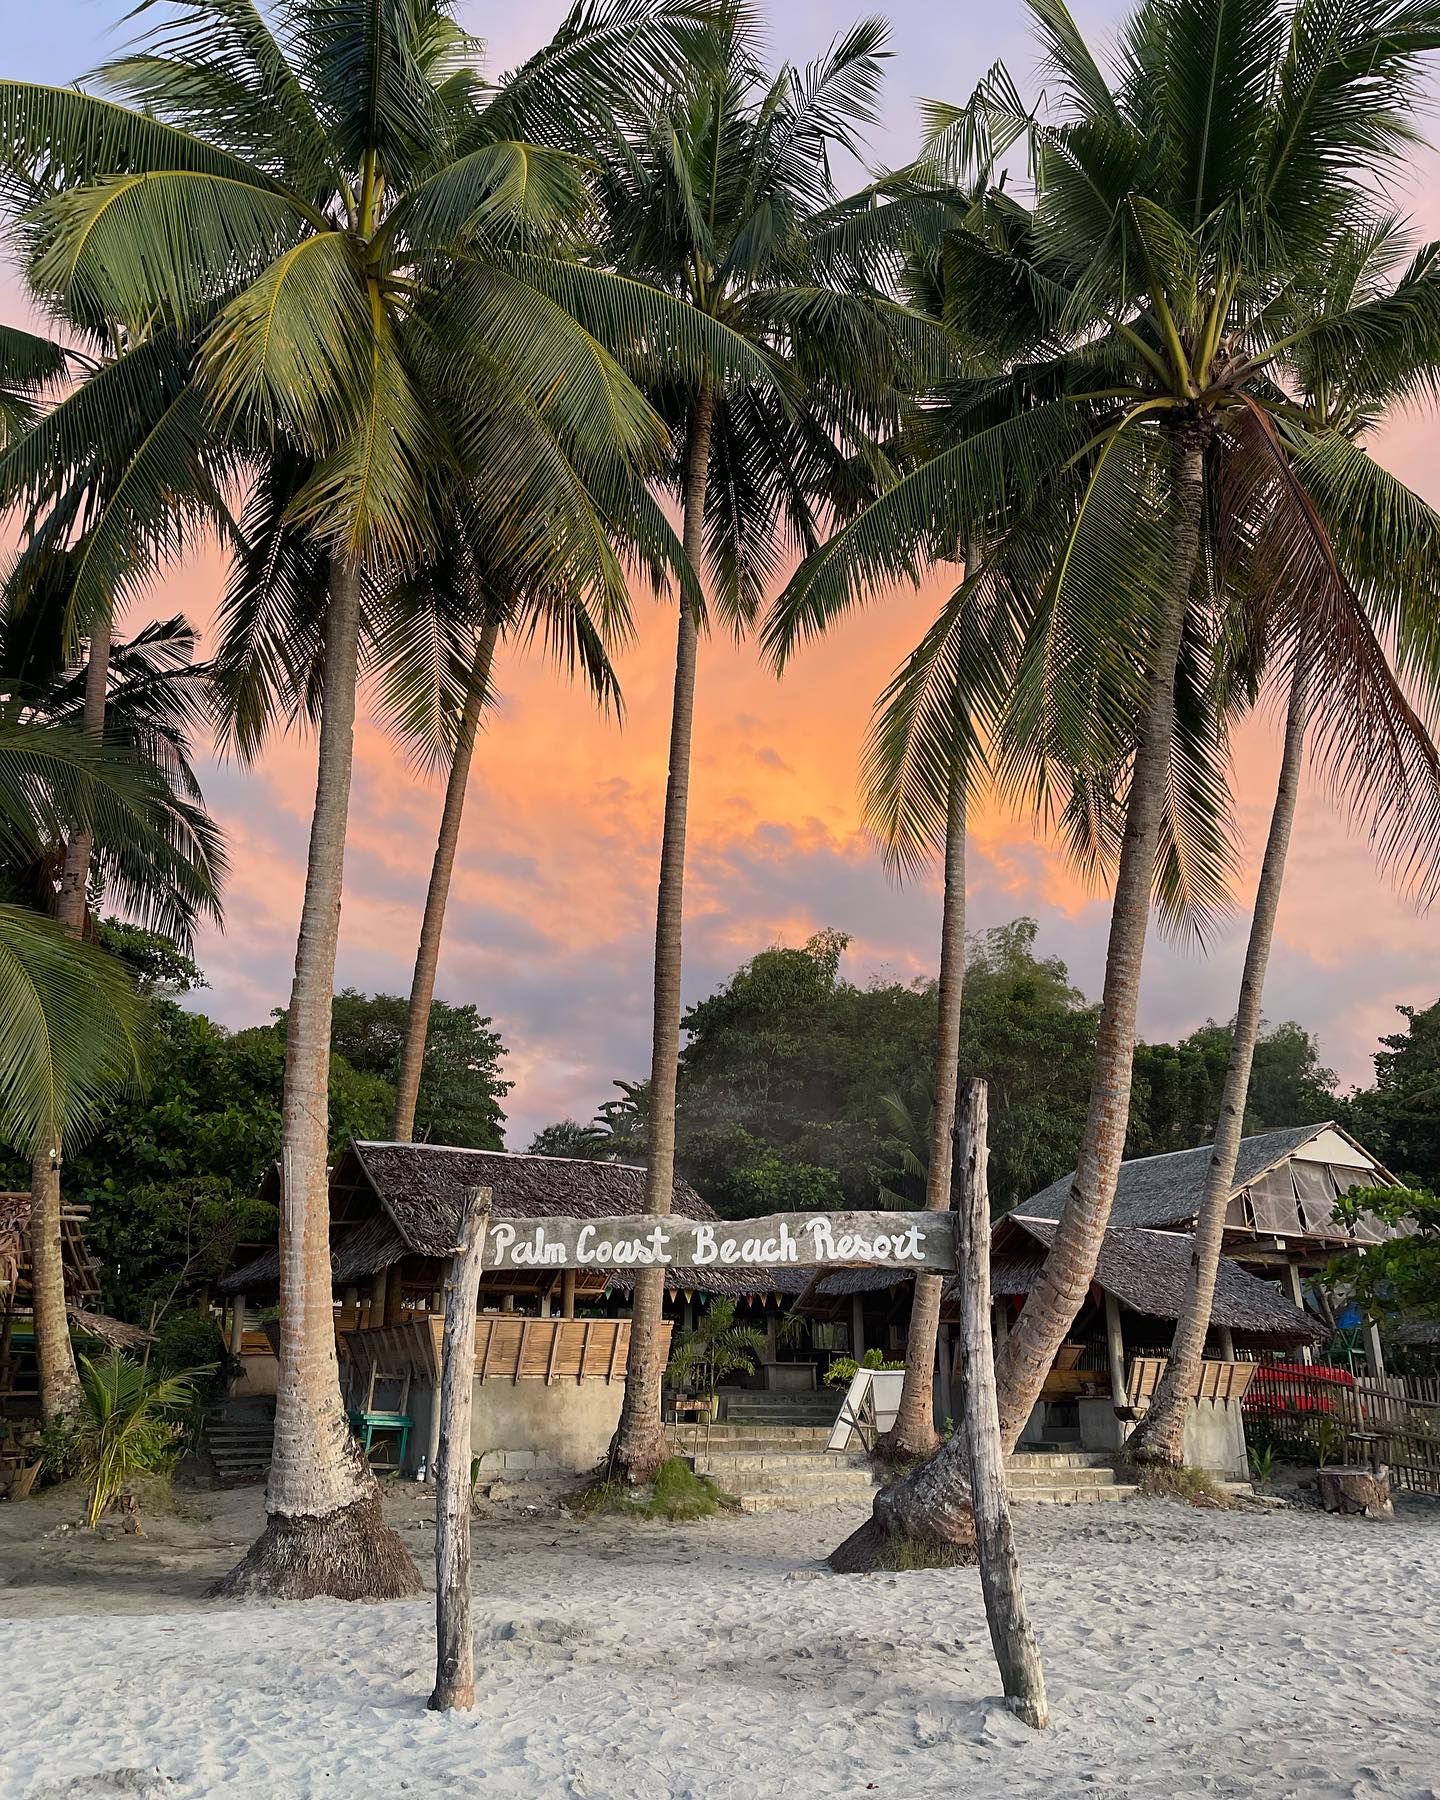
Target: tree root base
x=351, y=1554
x=881, y=1545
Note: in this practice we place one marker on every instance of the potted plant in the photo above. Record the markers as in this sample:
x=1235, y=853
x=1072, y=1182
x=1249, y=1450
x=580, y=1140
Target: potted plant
x=714, y=1348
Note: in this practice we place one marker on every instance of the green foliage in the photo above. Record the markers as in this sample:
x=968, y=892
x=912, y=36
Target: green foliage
x=192, y=1340
x=158, y=965
x=902, y=1554
x=1262, y=1462
x=172, y=1177
x=1327, y=1434
x=461, y=1085
x=1175, y=1099
x=130, y=1424
x=676, y=1495
x=1399, y=1117
x=1401, y=1274
x=843, y=1369
x=1195, y=1487
x=714, y=1348
x=60, y=1443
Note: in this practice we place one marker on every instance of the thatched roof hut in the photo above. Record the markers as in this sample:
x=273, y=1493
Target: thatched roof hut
x=1286, y=1184
x=81, y=1278
x=1145, y=1270
x=391, y=1201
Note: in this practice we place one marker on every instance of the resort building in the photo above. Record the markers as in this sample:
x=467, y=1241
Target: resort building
x=551, y=1347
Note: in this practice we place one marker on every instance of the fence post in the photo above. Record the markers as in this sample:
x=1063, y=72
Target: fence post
x=454, y=1637
x=1011, y=1633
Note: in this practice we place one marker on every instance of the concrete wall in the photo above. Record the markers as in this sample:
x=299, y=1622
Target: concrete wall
x=525, y=1425
x=1214, y=1435
x=259, y=1371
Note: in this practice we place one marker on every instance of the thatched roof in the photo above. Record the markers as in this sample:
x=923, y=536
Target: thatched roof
x=1167, y=1190
x=1147, y=1272
x=79, y=1265
x=1417, y=1334
x=114, y=1332
x=1274, y=1190
x=421, y=1188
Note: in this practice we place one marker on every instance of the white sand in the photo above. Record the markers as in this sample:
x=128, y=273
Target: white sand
x=1188, y=1653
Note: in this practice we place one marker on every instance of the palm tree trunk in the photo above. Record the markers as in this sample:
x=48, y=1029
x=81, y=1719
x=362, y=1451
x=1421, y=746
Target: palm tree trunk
x=932, y=1503
x=1158, y=1437
x=325, y=1533
x=427, y=957
x=1069, y=1268
x=913, y=1433
x=639, y=1447
x=59, y=1378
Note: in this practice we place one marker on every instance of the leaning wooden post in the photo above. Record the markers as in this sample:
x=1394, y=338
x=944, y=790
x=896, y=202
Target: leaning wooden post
x=454, y=1638
x=1010, y=1631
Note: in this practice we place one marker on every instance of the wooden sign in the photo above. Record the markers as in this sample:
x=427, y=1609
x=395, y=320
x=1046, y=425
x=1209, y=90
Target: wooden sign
x=905, y=1241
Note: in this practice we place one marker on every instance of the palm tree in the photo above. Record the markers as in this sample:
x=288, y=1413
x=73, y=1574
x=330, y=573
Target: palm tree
x=1344, y=398
x=367, y=281
x=161, y=704
x=73, y=1024
x=1154, y=466
x=717, y=188
x=436, y=688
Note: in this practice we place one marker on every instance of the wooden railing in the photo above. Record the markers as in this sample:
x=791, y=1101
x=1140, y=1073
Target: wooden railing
x=508, y=1347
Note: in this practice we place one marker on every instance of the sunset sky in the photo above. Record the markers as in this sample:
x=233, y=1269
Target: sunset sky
x=552, y=913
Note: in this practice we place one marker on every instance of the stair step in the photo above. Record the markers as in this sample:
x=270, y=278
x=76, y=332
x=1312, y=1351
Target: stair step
x=1075, y=1496
x=805, y=1481
x=772, y=1500
x=718, y=1461
x=1023, y=1480
x=1060, y=1459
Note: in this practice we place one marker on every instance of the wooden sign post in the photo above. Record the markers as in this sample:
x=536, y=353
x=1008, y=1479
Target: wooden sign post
x=1010, y=1631
x=454, y=1636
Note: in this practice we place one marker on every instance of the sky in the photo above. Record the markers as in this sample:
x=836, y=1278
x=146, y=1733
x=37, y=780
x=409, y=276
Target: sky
x=552, y=912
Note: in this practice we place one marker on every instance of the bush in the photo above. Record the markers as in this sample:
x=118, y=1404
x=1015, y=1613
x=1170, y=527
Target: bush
x=192, y=1340
x=676, y=1494
x=130, y=1424
x=1195, y=1487
x=844, y=1368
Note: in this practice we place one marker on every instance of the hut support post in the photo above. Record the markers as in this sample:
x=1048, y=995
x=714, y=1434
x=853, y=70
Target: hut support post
x=1227, y=1343
x=1297, y=1294
x=857, y=1327
x=1115, y=1340
x=237, y=1324
x=376, y=1315
x=1011, y=1633
x=454, y=1636
x=1374, y=1355
x=567, y=1294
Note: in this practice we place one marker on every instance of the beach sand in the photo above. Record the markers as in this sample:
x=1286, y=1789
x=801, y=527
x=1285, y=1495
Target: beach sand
x=1243, y=1653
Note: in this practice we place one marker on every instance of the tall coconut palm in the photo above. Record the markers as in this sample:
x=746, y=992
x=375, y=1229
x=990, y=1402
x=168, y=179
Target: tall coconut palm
x=372, y=283
x=1177, y=205
x=436, y=699
x=160, y=859
x=717, y=187
x=41, y=620
x=1344, y=396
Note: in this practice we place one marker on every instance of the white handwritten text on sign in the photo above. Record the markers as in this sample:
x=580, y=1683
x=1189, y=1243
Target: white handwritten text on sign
x=783, y=1240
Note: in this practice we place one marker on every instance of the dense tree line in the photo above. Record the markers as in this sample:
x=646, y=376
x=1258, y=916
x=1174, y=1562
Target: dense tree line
x=800, y=1089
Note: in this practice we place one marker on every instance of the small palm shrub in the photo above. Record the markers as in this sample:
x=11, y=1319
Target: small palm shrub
x=131, y=1423
x=716, y=1347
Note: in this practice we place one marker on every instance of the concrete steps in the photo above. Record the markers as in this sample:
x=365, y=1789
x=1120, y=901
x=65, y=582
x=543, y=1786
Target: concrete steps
x=240, y=1448
x=1065, y=1478
x=767, y=1467
x=782, y=1408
